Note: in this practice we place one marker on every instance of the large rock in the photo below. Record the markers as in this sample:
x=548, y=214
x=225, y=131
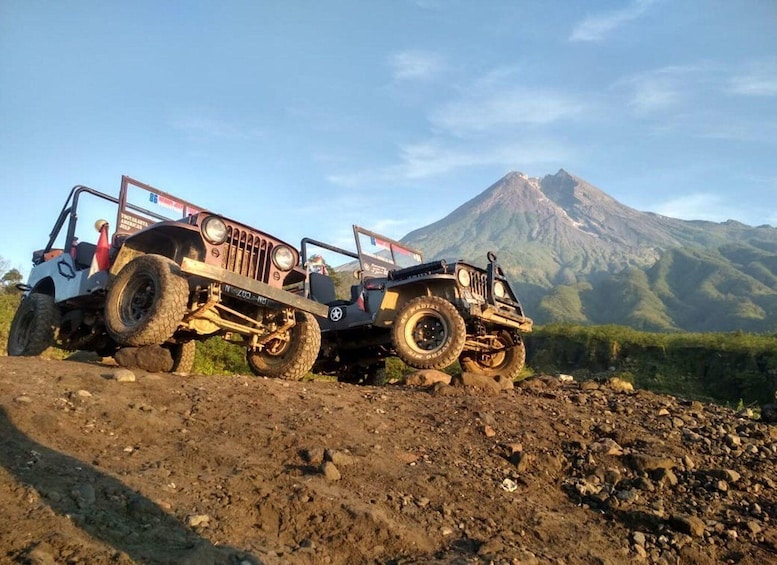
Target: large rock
x=427, y=377
x=152, y=358
x=474, y=380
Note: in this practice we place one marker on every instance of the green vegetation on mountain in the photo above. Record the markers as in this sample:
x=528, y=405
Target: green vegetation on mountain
x=577, y=255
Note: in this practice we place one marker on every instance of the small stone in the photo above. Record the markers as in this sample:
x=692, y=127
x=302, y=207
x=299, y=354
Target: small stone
x=663, y=412
x=566, y=378
x=23, y=399
x=84, y=495
x=677, y=423
x=728, y=475
x=84, y=394
x=666, y=477
x=41, y=555
x=638, y=538
x=123, y=376
x=608, y=446
x=509, y=485
x=690, y=525
x=196, y=520
x=732, y=440
x=339, y=458
x=520, y=460
x=486, y=418
x=314, y=455
x=489, y=431
x=330, y=471
x=619, y=385
x=643, y=463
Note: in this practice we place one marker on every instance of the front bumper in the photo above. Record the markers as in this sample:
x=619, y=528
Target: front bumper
x=257, y=288
x=498, y=316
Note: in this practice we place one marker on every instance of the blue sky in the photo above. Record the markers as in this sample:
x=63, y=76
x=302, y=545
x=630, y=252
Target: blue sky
x=304, y=117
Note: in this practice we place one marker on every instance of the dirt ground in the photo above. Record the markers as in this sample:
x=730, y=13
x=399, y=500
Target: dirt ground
x=244, y=470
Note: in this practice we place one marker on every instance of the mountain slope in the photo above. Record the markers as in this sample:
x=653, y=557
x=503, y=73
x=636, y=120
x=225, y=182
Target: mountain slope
x=570, y=249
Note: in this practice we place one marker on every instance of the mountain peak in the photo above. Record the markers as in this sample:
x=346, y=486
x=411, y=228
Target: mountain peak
x=580, y=254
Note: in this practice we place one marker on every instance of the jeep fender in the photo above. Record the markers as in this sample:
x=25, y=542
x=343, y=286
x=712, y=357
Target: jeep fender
x=174, y=240
x=398, y=295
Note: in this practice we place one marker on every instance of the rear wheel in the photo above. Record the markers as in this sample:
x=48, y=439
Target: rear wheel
x=33, y=326
x=290, y=358
x=374, y=374
x=507, y=358
x=146, y=301
x=429, y=333
x=183, y=356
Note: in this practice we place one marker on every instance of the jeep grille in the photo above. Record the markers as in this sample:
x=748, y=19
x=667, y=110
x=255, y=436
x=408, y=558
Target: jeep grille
x=479, y=283
x=247, y=254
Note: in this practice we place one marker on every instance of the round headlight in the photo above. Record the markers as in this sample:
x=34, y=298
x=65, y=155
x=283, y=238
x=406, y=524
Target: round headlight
x=463, y=277
x=499, y=289
x=283, y=258
x=215, y=230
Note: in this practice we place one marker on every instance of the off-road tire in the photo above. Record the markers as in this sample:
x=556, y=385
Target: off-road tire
x=292, y=359
x=34, y=325
x=183, y=356
x=429, y=333
x=146, y=301
x=374, y=374
x=508, y=362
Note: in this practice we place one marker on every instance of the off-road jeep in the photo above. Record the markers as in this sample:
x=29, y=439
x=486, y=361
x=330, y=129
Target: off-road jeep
x=166, y=282
x=427, y=314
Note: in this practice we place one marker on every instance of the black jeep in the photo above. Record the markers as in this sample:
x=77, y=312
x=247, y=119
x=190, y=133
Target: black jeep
x=427, y=314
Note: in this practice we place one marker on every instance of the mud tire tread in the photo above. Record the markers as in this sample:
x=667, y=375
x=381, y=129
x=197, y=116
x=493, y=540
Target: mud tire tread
x=43, y=326
x=172, y=295
x=297, y=360
x=457, y=333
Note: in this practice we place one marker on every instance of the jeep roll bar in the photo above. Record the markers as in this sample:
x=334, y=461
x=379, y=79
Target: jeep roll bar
x=130, y=218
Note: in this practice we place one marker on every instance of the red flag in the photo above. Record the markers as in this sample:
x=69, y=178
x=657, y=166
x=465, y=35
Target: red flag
x=101, y=260
x=360, y=301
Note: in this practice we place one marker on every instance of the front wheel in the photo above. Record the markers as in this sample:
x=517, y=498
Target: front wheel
x=33, y=326
x=429, y=333
x=146, y=301
x=507, y=358
x=290, y=358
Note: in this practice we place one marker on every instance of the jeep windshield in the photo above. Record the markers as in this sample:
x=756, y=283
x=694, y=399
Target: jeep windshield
x=378, y=254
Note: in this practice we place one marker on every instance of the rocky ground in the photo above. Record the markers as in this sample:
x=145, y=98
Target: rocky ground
x=103, y=465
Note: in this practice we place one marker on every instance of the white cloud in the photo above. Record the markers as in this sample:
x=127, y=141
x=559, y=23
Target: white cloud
x=407, y=65
x=760, y=80
x=435, y=158
x=660, y=89
x=594, y=28
x=698, y=206
x=495, y=109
